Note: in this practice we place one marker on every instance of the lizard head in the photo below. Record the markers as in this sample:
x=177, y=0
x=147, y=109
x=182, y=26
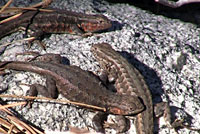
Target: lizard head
x=95, y=23
x=103, y=52
x=128, y=105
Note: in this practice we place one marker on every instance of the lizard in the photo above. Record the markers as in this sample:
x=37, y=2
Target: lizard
x=55, y=21
x=76, y=85
x=128, y=80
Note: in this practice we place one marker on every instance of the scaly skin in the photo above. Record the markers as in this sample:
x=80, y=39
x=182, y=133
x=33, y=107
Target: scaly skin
x=128, y=80
x=57, y=21
x=78, y=85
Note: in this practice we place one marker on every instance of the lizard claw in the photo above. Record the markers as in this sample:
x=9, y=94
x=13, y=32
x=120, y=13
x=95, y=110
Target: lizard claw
x=30, y=92
x=41, y=44
x=177, y=123
x=120, y=124
x=108, y=125
x=87, y=34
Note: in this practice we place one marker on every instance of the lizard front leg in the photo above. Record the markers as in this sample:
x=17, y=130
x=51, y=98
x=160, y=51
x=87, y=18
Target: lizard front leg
x=163, y=108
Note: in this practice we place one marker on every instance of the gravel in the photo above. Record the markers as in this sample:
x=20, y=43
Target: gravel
x=164, y=50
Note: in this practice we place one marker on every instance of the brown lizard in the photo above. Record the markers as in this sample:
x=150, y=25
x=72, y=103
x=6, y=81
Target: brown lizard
x=128, y=80
x=55, y=21
x=76, y=85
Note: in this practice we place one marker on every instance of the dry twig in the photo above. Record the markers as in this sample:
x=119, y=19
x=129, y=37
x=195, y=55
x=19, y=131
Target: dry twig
x=13, y=125
x=9, y=11
x=58, y=101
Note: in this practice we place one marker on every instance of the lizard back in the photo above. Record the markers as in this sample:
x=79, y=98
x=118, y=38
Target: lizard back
x=80, y=86
x=56, y=21
x=128, y=80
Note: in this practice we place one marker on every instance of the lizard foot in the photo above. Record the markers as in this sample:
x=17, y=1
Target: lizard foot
x=180, y=123
x=120, y=124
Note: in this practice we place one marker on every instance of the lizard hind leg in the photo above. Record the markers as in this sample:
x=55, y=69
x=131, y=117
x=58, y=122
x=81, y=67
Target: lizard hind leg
x=49, y=90
x=36, y=34
x=163, y=108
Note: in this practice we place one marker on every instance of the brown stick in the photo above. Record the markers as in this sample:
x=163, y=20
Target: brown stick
x=59, y=101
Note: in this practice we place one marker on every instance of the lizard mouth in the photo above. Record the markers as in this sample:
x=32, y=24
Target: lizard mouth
x=118, y=111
